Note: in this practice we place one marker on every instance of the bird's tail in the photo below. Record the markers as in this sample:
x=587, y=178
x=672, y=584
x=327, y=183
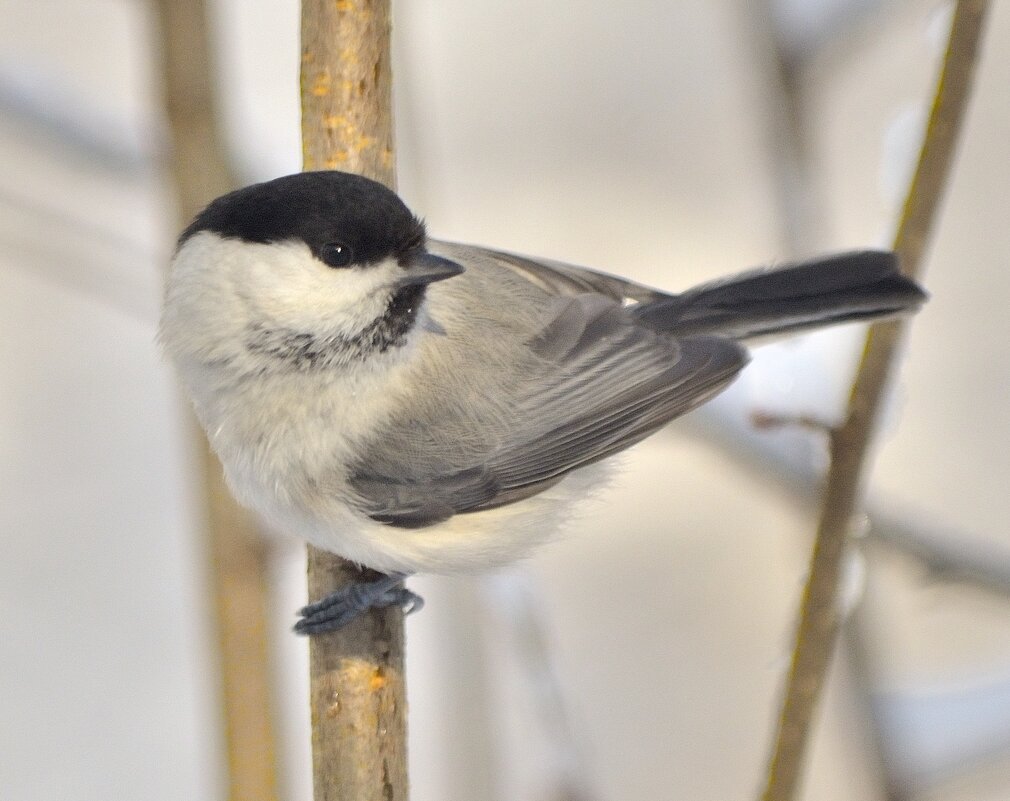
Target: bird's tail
x=834, y=289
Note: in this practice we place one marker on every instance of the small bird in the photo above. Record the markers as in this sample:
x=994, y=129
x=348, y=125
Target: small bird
x=415, y=405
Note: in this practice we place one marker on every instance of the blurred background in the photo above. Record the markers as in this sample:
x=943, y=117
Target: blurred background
x=641, y=655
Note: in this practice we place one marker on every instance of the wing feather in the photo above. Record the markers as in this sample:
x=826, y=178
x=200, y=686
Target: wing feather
x=594, y=382
x=559, y=278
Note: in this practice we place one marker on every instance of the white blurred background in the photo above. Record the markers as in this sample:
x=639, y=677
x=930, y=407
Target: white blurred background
x=649, y=139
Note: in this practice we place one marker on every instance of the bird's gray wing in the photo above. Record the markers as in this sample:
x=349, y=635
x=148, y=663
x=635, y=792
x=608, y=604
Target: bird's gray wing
x=559, y=278
x=594, y=383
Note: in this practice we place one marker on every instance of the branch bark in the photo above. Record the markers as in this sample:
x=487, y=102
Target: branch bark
x=238, y=556
x=818, y=625
x=357, y=688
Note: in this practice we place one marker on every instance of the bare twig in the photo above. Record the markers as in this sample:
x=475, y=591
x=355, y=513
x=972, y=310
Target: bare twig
x=238, y=574
x=818, y=624
x=347, y=113
x=358, y=694
x=947, y=553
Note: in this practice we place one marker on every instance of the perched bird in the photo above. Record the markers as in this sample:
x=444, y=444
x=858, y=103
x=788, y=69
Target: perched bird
x=414, y=405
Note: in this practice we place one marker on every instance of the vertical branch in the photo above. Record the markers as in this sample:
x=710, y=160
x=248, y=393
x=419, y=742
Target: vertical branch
x=238, y=558
x=818, y=624
x=357, y=693
x=347, y=88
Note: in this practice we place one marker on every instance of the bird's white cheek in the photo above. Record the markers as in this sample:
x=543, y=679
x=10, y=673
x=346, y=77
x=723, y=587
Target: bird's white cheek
x=296, y=291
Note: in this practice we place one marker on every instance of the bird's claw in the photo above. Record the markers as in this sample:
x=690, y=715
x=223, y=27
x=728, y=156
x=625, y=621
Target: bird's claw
x=341, y=607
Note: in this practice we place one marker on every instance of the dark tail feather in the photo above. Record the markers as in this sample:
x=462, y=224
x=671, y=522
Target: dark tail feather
x=835, y=289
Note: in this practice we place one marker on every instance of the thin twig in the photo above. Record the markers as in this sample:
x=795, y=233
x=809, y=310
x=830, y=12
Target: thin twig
x=818, y=624
x=357, y=693
x=238, y=557
x=947, y=553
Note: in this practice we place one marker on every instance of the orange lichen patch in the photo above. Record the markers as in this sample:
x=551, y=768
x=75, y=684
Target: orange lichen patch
x=333, y=707
x=336, y=160
x=345, y=5
x=332, y=121
x=321, y=85
x=377, y=682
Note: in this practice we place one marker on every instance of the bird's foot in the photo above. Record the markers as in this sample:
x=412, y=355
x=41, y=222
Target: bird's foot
x=341, y=607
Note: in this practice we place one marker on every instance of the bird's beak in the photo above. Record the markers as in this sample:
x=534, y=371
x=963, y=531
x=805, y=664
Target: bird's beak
x=426, y=268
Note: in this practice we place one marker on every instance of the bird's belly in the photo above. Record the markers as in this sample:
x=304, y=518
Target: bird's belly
x=465, y=543
x=287, y=460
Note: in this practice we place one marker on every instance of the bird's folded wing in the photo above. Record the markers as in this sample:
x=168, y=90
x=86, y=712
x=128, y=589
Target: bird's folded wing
x=559, y=278
x=595, y=382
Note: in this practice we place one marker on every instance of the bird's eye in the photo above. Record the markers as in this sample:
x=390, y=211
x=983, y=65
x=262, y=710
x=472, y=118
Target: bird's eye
x=336, y=254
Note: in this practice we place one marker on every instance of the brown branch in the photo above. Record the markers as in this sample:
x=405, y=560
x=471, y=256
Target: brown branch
x=818, y=624
x=358, y=694
x=346, y=84
x=238, y=558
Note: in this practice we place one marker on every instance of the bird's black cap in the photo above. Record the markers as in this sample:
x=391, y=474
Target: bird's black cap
x=317, y=208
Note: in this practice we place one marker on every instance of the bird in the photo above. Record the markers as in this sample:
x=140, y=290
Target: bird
x=415, y=405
